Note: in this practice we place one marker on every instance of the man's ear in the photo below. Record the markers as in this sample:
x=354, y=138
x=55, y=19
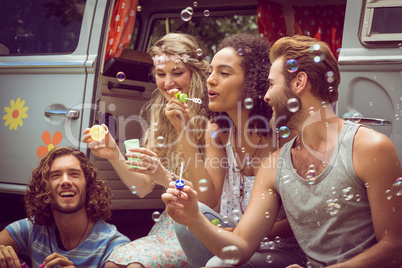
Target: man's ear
x=300, y=82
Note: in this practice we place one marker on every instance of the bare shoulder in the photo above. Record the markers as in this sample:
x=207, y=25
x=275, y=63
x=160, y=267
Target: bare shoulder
x=374, y=153
x=368, y=143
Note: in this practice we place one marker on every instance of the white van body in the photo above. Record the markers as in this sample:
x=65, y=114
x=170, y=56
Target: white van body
x=68, y=92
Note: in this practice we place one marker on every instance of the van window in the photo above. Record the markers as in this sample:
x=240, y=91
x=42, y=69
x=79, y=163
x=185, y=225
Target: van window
x=40, y=26
x=381, y=22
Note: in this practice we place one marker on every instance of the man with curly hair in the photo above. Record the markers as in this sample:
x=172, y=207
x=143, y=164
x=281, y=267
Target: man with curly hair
x=67, y=205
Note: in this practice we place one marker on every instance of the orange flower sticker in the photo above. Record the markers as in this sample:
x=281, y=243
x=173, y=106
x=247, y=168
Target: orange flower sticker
x=50, y=143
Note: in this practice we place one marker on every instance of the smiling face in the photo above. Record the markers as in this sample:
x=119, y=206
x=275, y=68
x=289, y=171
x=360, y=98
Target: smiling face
x=67, y=181
x=172, y=76
x=225, y=82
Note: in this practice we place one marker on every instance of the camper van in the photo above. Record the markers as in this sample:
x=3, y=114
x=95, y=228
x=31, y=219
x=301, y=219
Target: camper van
x=62, y=71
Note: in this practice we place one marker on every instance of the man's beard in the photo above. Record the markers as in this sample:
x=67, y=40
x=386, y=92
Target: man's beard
x=69, y=209
x=282, y=115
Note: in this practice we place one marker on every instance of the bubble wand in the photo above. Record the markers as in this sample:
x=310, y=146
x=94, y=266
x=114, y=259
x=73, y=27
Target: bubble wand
x=180, y=183
x=183, y=98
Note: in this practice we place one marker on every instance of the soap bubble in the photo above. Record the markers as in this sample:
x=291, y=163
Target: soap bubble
x=156, y=216
x=358, y=197
x=388, y=194
x=195, y=4
x=225, y=219
x=397, y=187
x=133, y=189
x=186, y=15
x=333, y=206
x=199, y=52
x=240, y=52
x=293, y=105
x=248, y=103
x=331, y=89
x=230, y=255
x=120, y=76
x=139, y=8
x=267, y=215
x=292, y=66
x=348, y=193
x=160, y=141
x=213, y=134
x=329, y=76
x=203, y=185
x=206, y=13
x=284, y=131
x=316, y=54
x=271, y=244
x=269, y=259
x=311, y=110
x=277, y=239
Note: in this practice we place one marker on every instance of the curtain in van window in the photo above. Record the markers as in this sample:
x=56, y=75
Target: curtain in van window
x=121, y=27
x=324, y=22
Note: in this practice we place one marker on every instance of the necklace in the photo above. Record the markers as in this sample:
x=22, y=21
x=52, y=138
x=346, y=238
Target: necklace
x=82, y=234
x=241, y=170
x=58, y=238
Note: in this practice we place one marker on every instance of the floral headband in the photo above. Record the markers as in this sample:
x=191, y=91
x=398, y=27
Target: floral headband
x=162, y=59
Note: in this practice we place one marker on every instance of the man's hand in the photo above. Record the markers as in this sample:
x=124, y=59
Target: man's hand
x=57, y=259
x=8, y=257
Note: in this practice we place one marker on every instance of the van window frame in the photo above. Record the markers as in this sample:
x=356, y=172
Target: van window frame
x=369, y=39
x=197, y=14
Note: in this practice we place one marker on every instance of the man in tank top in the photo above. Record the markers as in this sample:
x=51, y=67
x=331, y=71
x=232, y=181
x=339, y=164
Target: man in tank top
x=339, y=182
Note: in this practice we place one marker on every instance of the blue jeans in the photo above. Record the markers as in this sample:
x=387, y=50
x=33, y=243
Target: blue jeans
x=199, y=256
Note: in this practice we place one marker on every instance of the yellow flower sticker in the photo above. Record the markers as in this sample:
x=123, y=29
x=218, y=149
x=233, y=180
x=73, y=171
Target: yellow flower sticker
x=15, y=113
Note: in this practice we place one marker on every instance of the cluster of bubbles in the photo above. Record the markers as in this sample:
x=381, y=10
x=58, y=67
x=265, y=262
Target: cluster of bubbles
x=348, y=194
x=187, y=13
x=316, y=54
x=311, y=174
x=230, y=255
x=396, y=189
x=120, y=76
x=333, y=206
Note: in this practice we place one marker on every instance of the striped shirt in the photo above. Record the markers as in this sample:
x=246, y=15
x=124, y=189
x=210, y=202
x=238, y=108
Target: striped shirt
x=38, y=242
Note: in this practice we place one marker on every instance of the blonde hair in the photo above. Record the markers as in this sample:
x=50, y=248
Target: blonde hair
x=160, y=126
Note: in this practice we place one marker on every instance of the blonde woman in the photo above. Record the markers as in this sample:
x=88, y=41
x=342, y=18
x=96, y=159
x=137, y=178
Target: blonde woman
x=179, y=63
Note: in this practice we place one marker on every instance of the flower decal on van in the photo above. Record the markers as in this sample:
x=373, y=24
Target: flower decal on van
x=49, y=142
x=15, y=113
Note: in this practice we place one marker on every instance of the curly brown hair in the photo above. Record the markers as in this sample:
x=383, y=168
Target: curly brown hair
x=38, y=194
x=254, y=52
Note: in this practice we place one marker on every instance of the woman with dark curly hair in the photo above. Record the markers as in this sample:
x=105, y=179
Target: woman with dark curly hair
x=238, y=138
x=66, y=205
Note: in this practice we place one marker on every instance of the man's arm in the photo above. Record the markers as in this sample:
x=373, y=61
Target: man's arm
x=256, y=222
x=8, y=250
x=376, y=163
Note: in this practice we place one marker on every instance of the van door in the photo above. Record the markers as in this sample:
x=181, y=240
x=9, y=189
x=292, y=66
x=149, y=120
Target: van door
x=370, y=63
x=47, y=76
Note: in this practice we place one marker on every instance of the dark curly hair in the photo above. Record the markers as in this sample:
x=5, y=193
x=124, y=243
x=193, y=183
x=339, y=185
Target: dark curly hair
x=254, y=52
x=38, y=194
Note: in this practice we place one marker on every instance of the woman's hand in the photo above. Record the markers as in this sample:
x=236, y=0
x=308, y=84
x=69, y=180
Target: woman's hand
x=106, y=148
x=181, y=205
x=176, y=111
x=147, y=162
